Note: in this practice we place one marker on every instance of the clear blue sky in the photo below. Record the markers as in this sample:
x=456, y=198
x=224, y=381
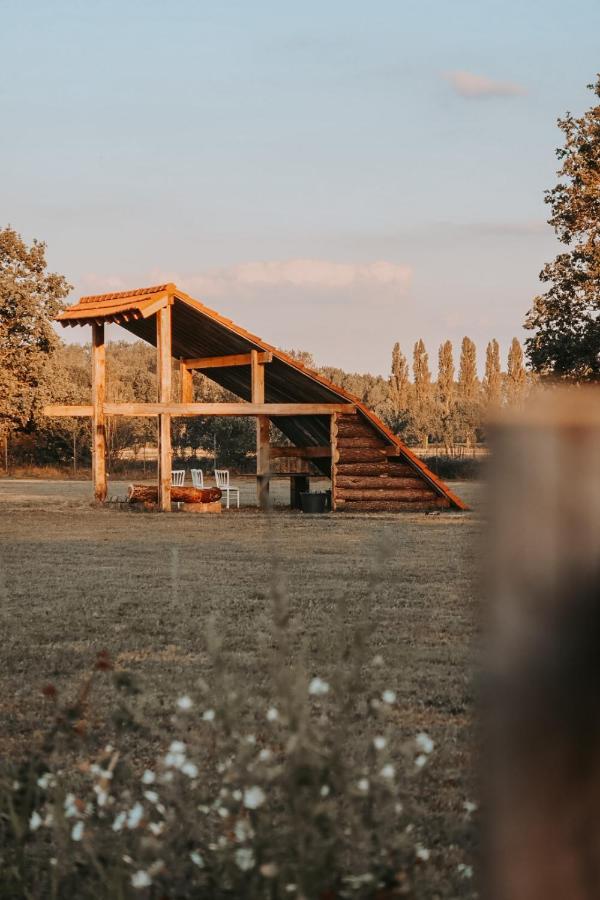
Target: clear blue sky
x=335, y=176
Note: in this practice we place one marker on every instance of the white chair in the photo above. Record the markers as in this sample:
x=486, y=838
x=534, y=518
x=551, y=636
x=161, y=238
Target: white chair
x=222, y=480
x=178, y=477
x=197, y=478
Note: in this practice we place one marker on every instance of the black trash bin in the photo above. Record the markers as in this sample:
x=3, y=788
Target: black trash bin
x=313, y=501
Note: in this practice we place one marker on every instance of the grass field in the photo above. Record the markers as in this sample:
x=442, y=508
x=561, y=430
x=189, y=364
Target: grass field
x=74, y=580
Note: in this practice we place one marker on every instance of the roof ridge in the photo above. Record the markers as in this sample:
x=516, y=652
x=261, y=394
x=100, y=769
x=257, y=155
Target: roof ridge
x=122, y=295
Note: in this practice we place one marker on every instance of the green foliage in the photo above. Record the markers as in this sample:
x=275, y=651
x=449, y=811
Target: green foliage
x=29, y=299
x=566, y=318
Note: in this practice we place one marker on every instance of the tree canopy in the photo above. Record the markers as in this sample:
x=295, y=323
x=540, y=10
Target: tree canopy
x=30, y=297
x=566, y=318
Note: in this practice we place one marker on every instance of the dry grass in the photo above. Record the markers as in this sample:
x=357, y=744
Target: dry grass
x=75, y=580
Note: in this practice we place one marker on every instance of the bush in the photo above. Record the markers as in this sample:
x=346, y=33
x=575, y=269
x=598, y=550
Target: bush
x=457, y=468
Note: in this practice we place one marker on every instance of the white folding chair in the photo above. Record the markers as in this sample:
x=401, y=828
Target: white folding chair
x=178, y=477
x=197, y=478
x=222, y=480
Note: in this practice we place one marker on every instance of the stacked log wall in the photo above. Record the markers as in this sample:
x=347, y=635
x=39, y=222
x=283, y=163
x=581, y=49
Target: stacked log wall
x=368, y=480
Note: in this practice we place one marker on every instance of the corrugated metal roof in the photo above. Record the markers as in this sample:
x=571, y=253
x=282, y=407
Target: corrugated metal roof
x=198, y=331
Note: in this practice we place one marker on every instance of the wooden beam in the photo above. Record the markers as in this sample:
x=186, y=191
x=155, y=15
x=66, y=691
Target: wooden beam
x=257, y=382
x=163, y=369
x=98, y=422
x=223, y=362
x=335, y=455
x=61, y=409
x=203, y=409
x=300, y=452
x=224, y=409
x=187, y=384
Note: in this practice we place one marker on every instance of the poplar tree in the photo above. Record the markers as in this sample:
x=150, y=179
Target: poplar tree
x=445, y=395
x=516, y=375
x=566, y=318
x=422, y=394
x=468, y=412
x=399, y=390
x=492, y=382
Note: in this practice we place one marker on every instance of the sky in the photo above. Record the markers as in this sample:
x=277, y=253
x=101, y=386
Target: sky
x=334, y=176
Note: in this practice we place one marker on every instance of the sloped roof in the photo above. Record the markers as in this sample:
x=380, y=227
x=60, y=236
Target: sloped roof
x=198, y=331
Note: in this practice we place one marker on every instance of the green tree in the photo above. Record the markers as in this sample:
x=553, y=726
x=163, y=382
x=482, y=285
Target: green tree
x=566, y=318
x=516, y=375
x=30, y=297
x=492, y=381
x=444, y=395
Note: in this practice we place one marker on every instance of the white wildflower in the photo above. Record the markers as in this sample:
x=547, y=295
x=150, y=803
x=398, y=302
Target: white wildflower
x=389, y=697
x=190, y=769
x=53, y=861
x=148, y=777
x=424, y=742
x=242, y=830
x=290, y=888
x=166, y=777
x=363, y=785
x=77, y=831
x=251, y=739
x=177, y=747
x=208, y=715
x=388, y=771
x=237, y=795
x=265, y=755
x=141, y=879
x=244, y=858
x=398, y=809
x=185, y=703
x=101, y=795
x=254, y=797
x=272, y=714
x=16, y=785
x=70, y=806
x=120, y=820
x=223, y=812
x=174, y=760
x=469, y=807
x=318, y=687
x=49, y=820
x=465, y=871
x=420, y=761
x=45, y=781
x=156, y=828
x=35, y=821
x=422, y=853
x=325, y=790
x=197, y=859
x=135, y=815
x=377, y=660
x=379, y=742
x=151, y=796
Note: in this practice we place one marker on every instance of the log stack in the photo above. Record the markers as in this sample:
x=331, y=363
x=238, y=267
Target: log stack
x=193, y=499
x=367, y=479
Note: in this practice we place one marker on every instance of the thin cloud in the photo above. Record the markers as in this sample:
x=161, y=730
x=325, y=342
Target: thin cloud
x=472, y=86
x=308, y=274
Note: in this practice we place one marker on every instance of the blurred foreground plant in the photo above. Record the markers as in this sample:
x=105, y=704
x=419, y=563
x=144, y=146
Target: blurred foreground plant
x=248, y=798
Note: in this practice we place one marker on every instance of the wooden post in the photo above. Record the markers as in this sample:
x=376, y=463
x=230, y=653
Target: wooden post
x=542, y=759
x=257, y=379
x=163, y=370
x=334, y=459
x=98, y=421
x=187, y=384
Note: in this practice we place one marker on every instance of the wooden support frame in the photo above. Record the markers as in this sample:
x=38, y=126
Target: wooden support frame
x=98, y=412
x=187, y=384
x=257, y=382
x=163, y=369
x=224, y=362
x=204, y=409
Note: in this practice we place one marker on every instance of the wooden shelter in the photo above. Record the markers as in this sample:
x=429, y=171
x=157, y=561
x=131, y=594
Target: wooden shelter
x=369, y=467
